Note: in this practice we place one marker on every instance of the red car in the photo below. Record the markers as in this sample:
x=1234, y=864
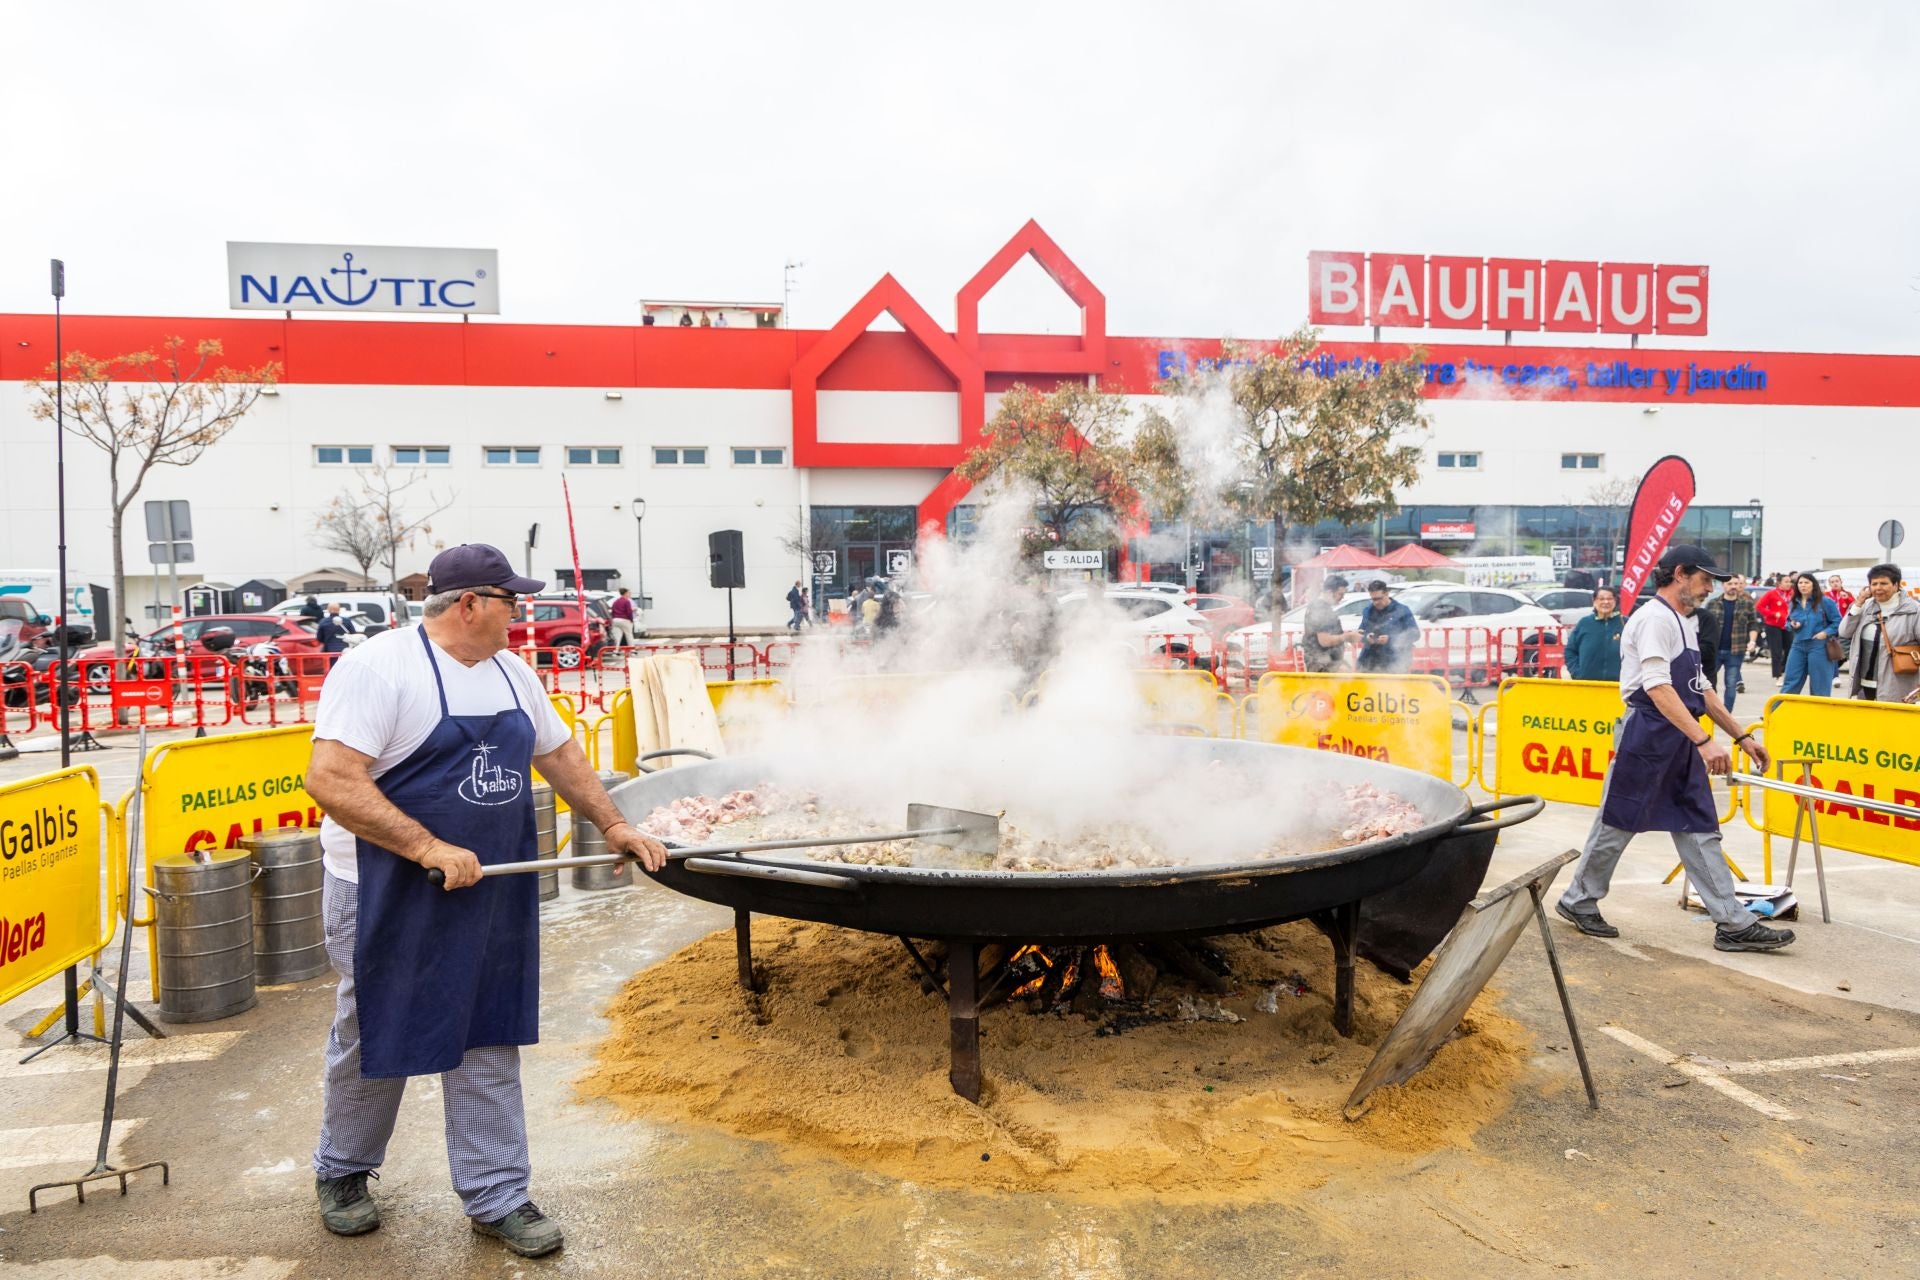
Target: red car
x=293, y=635
x=1222, y=614
x=555, y=629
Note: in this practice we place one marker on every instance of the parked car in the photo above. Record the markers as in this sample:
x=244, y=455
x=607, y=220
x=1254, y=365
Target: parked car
x=167, y=645
x=1569, y=604
x=1223, y=614
x=555, y=629
x=378, y=606
x=1480, y=627
x=1169, y=629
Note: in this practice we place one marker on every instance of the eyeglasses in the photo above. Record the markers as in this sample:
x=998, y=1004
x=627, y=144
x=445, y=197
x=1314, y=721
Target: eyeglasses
x=488, y=595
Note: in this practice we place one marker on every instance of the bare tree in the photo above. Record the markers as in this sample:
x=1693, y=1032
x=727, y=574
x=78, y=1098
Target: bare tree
x=149, y=409
x=348, y=526
x=386, y=497
x=1610, y=499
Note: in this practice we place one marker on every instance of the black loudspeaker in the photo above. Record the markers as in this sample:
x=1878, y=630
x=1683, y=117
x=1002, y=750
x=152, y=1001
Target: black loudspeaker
x=726, y=561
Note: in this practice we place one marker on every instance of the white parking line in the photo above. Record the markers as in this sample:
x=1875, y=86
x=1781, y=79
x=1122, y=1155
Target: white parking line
x=60, y=1144
x=87, y=1056
x=1863, y=1059
x=1705, y=1075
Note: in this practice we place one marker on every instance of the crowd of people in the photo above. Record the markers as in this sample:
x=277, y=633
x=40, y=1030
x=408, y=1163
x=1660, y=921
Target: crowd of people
x=1819, y=640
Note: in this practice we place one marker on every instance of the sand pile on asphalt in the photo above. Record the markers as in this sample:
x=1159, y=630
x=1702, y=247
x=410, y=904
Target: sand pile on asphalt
x=843, y=1055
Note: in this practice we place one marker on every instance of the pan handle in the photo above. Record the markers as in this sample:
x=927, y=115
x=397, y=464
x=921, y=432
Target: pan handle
x=670, y=751
x=761, y=871
x=1534, y=806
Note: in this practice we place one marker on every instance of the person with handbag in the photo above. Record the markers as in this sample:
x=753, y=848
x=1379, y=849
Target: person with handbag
x=1884, y=629
x=1813, y=628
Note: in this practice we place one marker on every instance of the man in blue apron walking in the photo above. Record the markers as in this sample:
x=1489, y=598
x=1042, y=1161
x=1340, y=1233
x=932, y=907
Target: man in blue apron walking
x=1662, y=758
x=422, y=751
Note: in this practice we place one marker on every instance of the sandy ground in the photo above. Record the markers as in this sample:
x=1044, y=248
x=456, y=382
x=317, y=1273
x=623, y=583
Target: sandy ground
x=1746, y=1157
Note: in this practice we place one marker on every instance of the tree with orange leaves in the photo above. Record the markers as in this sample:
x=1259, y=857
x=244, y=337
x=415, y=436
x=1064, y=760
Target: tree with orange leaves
x=149, y=409
x=1069, y=450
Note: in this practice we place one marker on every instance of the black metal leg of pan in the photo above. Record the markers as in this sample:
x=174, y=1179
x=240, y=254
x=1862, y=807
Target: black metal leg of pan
x=963, y=1019
x=1342, y=927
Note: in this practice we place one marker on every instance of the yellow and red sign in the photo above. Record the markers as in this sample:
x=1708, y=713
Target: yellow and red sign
x=1866, y=749
x=1554, y=738
x=1403, y=720
x=207, y=793
x=51, y=882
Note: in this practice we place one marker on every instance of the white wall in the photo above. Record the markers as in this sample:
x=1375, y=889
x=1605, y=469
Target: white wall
x=1826, y=476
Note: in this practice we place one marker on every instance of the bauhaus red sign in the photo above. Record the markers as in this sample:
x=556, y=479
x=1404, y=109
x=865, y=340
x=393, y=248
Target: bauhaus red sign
x=1415, y=291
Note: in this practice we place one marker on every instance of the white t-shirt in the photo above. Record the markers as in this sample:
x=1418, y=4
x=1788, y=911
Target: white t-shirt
x=1654, y=636
x=380, y=699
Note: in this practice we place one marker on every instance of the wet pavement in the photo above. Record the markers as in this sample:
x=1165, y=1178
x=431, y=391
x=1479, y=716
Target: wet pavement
x=1777, y=1165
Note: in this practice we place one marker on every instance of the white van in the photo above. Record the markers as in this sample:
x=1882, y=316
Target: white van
x=382, y=609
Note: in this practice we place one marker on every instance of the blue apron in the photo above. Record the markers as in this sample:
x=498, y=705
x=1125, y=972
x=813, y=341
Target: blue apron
x=439, y=973
x=1658, y=781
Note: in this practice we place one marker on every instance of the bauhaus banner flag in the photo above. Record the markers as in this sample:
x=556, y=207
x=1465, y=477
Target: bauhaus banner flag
x=1665, y=492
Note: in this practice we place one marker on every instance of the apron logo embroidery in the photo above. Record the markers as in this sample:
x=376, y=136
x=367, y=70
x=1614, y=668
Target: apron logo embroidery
x=1699, y=683
x=489, y=783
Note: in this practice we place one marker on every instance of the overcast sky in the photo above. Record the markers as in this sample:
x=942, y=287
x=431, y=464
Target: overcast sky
x=1187, y=156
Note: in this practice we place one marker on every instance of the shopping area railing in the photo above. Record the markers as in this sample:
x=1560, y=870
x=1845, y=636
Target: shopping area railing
x=203, y=692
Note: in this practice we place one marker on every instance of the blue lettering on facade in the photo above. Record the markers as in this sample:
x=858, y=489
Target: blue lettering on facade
x=1617, y=375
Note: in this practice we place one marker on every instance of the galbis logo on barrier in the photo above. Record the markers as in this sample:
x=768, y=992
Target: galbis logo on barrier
x=362, y=278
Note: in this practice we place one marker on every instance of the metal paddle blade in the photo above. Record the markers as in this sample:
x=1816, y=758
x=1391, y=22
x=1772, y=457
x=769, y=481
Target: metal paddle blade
x=975, y=833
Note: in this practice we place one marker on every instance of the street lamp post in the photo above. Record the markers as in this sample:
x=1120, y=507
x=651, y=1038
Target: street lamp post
x=640, y=555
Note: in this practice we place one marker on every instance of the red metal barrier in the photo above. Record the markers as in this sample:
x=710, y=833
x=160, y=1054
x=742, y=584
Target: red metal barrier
x=18, y=681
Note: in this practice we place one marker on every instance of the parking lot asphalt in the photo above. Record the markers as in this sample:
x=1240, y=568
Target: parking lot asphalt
x=1756, y=1116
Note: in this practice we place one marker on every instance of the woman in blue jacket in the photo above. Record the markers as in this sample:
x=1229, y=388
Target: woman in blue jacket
x=1810, y=621
x=1593, y=650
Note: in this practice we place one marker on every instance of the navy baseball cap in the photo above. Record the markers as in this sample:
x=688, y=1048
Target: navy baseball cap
x=475, y=564
x=1687, y=553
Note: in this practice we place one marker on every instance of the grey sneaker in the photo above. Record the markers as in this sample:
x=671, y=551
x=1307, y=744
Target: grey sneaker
x=1591, y=923
x=527, y=1231
x=345, y=1207
x=1755, y=937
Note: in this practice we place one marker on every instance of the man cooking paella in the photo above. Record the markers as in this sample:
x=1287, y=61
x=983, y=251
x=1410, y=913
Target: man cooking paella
x=1659, y=777
x=423, y=750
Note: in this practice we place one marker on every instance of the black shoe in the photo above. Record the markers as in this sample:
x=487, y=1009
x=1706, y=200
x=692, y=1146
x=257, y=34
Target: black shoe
x=1755, y=937
x=1591, y=923
x=345, y=1207
x=527, y=1231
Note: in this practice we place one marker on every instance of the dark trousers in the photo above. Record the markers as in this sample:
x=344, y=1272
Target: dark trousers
x=1777, y=649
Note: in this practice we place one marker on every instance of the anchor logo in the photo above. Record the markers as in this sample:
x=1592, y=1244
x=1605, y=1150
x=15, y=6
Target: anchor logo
x=489, y=783
x=349, y=271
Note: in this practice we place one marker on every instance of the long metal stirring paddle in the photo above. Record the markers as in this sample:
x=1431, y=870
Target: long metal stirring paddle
x=972, y=833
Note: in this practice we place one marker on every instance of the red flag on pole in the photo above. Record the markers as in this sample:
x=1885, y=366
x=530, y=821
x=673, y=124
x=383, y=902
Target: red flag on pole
x=1664, y=495
x=579, y=587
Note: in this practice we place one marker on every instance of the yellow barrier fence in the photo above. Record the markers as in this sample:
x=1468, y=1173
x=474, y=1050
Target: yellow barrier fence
x=1399, y=719
x=52, y=869
x=1865, y=749
x=747, y=710
x=1553, y=738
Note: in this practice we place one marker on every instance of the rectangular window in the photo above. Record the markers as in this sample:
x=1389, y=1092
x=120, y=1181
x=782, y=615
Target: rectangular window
x=592, y=456
x=511, y=455
x=1580, y=461
x=343, y=455
x=752, y=456
x=679, y=456
x=1455, y=461
x=422, y=455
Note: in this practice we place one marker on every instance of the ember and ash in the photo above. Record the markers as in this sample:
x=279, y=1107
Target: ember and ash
x=1315, y=818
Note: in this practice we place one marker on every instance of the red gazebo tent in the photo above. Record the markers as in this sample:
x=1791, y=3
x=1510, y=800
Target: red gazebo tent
x=1415, y=556
x=1307, y=575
